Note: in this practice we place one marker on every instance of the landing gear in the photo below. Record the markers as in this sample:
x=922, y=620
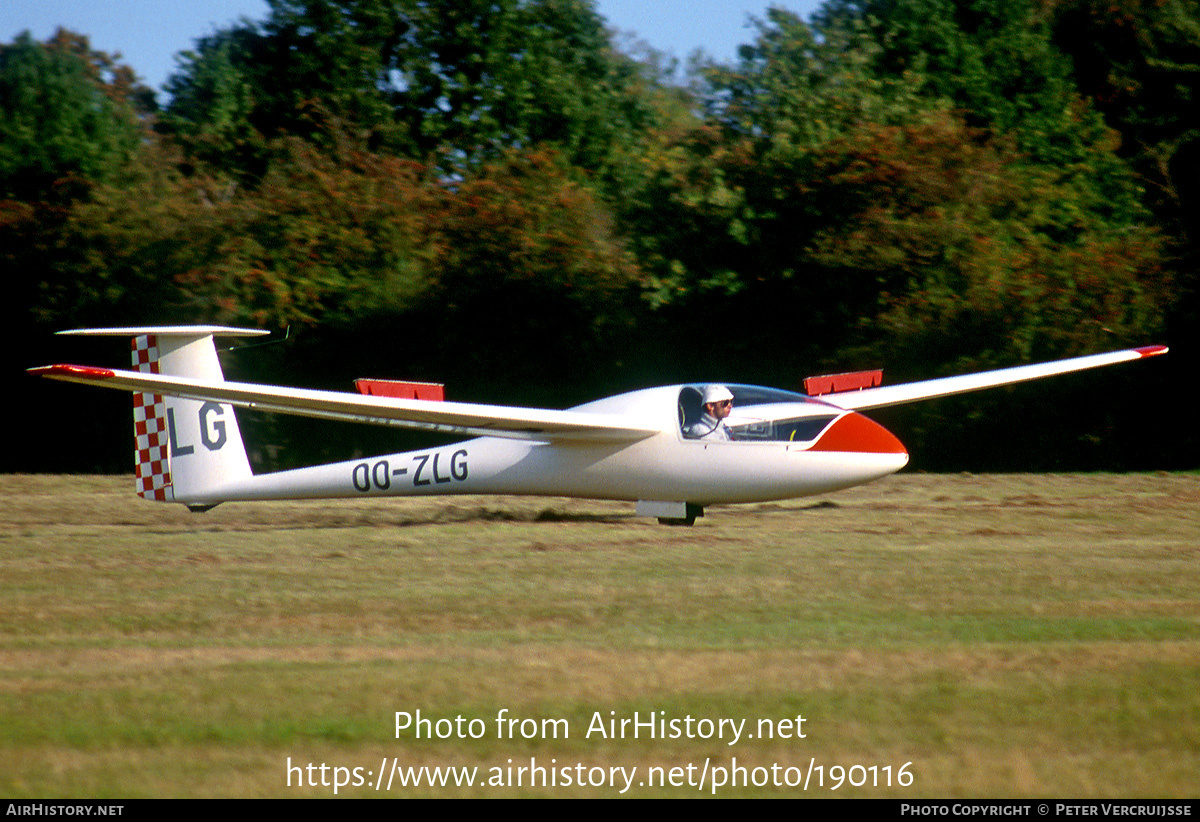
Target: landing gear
x=670, y=513
x=200, y=508
x=690, y=511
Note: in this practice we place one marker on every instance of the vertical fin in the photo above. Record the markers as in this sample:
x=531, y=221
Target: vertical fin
x=203, y=440
x=187, y=451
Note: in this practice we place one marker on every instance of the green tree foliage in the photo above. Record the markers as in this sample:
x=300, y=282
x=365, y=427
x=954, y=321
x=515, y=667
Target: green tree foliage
x=995, y=62
x=69, y=116
x=852, y=201
x=519, y=252
x=71, y=121
x=324, y=239
x=531, y=281
x=964, y=240
x=456, y=82
x=729, y=204
x=1140, y=63
x=992, y=59
x=212, y=112
x=482, y=76
x=111, y=257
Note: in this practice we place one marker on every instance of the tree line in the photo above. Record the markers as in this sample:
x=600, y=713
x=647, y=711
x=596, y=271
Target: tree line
x=503, y=196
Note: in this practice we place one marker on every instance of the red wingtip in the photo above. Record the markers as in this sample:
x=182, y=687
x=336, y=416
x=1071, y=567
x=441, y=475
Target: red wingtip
x=66, y=371
x=1151, y=350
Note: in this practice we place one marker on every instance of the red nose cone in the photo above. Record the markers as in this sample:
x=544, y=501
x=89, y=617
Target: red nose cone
x=855, y=433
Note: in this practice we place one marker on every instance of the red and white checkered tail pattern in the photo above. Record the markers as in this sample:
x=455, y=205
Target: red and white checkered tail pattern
x=150, y=428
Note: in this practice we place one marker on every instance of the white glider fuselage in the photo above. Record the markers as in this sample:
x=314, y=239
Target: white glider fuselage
x=662, y=466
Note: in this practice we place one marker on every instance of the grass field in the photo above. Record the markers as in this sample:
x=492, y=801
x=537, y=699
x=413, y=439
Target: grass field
x=1005, y=636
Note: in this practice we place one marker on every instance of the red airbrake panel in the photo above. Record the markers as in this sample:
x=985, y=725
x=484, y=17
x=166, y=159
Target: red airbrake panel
x=834, y=383
x=402, y=390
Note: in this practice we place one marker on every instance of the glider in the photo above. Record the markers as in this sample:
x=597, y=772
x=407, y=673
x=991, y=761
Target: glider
x=672, y=449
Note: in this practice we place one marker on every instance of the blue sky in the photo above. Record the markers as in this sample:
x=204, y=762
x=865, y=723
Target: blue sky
x=149, y=33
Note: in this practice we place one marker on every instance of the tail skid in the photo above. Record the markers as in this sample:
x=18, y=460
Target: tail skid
x=185, y=450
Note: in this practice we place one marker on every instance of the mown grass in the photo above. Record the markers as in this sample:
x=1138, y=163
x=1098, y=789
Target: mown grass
x=1007, y=635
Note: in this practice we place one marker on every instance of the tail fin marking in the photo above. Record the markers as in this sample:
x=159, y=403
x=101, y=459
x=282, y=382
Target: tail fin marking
x=151, y=462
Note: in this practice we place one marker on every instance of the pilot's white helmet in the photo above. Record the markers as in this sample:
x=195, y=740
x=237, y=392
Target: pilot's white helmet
x=716, y=393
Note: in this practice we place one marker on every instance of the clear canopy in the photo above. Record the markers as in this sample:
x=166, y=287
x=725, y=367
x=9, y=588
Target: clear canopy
x=758, y=415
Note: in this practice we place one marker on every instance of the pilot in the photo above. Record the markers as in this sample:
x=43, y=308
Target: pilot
x=718, y=403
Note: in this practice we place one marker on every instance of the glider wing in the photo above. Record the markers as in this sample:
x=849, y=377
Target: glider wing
x=928, y=389
x=429, y=415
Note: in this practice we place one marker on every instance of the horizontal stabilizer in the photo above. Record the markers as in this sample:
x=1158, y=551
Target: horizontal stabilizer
x=166, y=331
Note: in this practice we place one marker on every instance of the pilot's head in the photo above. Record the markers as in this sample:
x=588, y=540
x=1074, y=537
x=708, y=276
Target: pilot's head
x=718, y=401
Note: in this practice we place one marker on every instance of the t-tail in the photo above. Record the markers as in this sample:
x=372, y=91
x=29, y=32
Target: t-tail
x=184, y=450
